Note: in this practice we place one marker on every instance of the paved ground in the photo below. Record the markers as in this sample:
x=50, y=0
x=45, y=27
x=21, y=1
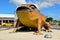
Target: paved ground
x=6, y=35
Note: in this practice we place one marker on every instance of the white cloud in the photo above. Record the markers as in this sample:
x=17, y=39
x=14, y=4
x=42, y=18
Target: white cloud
x=47, y=3
x=39, y=3
x=18, y=2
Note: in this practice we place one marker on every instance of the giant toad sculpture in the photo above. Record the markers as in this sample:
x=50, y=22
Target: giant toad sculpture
x=29, y=15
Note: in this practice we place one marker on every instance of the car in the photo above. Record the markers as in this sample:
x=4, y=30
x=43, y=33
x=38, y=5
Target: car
x=7, y=24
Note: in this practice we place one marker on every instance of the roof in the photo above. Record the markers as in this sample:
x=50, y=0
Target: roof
x=7, y=15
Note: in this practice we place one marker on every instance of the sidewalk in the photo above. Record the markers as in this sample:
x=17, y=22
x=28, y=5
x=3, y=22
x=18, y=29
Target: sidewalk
x=5, y=35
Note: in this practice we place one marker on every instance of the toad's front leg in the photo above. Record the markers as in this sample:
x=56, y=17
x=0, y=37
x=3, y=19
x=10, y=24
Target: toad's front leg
x=17, y=25
x=39, y=25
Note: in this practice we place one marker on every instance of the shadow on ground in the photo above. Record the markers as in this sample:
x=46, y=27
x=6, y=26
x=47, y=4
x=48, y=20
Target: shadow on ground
x=26, y=29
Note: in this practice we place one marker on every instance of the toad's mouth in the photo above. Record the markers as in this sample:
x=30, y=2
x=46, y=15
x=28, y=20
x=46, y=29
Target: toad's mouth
x=23, y=8
x=25, y=13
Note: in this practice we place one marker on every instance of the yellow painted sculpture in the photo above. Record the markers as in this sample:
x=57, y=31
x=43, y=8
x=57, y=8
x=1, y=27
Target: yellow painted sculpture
x=29, y=15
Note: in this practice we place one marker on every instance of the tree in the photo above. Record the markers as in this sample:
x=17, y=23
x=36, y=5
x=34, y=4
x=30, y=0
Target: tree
x=49, y=19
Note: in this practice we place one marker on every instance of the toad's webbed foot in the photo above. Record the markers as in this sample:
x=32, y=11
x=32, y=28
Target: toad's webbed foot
x=48, y=31
x=38, y=33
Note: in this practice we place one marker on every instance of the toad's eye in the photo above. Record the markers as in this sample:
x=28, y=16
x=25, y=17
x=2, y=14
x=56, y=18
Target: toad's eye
x=33, y=6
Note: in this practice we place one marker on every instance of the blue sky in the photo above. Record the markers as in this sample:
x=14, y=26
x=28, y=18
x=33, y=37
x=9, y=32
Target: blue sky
x=6, y=7
x=48, y=9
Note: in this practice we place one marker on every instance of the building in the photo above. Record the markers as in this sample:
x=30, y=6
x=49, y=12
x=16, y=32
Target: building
x=7, y=18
